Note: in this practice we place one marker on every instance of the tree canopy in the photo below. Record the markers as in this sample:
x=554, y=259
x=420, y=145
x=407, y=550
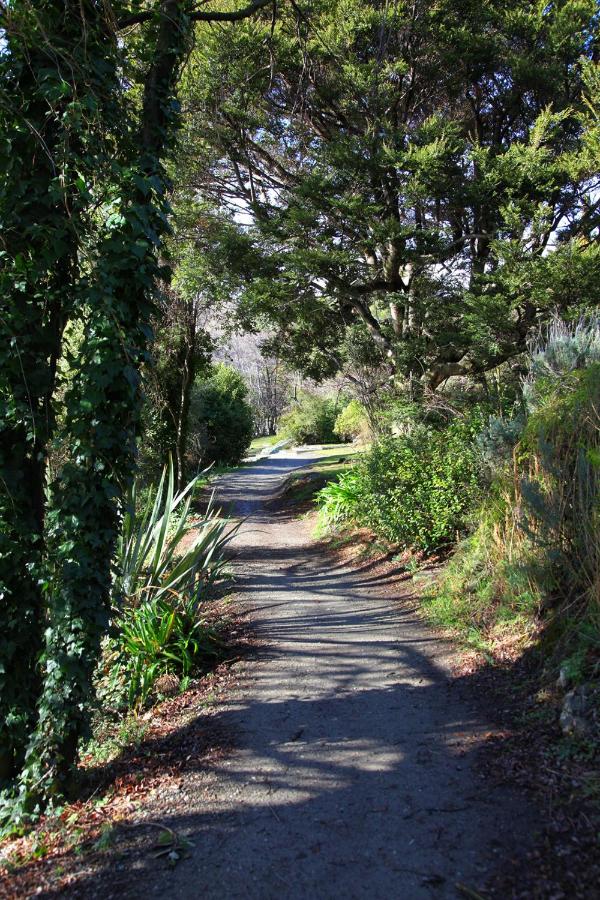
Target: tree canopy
x=424, y=171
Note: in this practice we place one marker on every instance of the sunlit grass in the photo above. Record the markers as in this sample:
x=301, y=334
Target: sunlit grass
x=268, y=440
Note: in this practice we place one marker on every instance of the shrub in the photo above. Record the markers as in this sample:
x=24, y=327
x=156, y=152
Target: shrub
x=338, y=501
x=493, y=583
x=352, y=423
x=311, y=420
x=417, y=490
x=149, y=561
x=163, y=572
x=566, y=349
x=161, y=637
x=414, y=490
x=221, y=423
x=536, y=551
x=559, y=458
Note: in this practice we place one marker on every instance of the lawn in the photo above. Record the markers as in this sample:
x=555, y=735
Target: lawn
x=268, y=440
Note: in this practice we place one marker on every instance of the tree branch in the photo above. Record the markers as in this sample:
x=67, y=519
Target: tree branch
x=198, y=15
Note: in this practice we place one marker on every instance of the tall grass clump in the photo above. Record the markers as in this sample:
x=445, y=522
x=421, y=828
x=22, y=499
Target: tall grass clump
x=534, y=560
x=338, y=501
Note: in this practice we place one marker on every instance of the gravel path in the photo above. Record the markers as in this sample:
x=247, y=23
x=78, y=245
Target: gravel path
x=354, y=770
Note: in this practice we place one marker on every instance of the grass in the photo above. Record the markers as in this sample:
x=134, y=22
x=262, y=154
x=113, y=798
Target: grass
x=304, y=483
x=345, y=451
x=346, y=454
x=268, y=440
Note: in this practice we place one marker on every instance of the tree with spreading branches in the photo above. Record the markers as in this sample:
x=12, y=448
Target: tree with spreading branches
x=418, y=170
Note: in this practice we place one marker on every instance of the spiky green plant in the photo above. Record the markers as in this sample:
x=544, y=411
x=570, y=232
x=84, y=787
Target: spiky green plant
x=337, y=501
x=163, y=571
x=162, y=636
x=155, y=558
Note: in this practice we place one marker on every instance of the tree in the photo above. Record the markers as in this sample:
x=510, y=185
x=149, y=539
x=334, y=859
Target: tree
x=221, y=424
x=418, y=169
x=270, y=384
x=88, y=114
x=51, y=180
x=180, y=351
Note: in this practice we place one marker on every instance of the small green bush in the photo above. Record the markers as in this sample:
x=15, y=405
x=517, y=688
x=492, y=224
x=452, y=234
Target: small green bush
x=417, y=490
x=352, y=423
x=338, y=501
x=221, y=423
x=310, y=420
x=163, y=637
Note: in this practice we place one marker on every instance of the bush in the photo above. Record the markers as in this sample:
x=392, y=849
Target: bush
x=415, y=490
x=221, y=423
x=492, y=587
x=164, y=637
x=311, y=420
x=338, y=501
x=536, y=552
x=352, y=423
x=159, y=588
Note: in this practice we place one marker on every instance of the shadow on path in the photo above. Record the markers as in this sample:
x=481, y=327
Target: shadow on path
x=353, y=773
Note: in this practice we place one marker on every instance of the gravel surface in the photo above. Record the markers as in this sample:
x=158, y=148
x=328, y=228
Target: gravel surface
x=354, y=767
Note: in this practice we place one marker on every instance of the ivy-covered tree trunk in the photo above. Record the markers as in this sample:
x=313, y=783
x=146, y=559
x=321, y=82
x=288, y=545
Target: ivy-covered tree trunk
x=40, y=216
x=102, y=408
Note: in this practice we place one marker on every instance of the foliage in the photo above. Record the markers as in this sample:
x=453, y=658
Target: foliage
x=180, y=352
x=338, y=501
x=162, y=636
x=72, y=148
x=55, y=150
x=221, y=424
x=165, y=562
x=352, y=422
x=492, y=589
x=566, y=347
x=155, y=558
x=416, y=490
x=85, y=125
x=534, y=556
x=311, y=420
x=422, y=173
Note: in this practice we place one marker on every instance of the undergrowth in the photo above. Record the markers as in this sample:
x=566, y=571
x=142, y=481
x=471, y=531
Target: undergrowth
x=413, y=490
x=531, y=567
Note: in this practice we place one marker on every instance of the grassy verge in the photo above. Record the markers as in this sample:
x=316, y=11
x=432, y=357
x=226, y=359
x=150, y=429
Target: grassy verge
x=260, y=443
x=304, y=483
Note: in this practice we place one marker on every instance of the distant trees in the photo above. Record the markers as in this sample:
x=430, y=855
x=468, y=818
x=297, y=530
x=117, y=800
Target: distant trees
x=423, y=172
x=311, y=419
x=271, y=385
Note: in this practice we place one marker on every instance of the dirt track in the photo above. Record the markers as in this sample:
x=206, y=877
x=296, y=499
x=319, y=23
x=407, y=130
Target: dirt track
x=353, y=773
